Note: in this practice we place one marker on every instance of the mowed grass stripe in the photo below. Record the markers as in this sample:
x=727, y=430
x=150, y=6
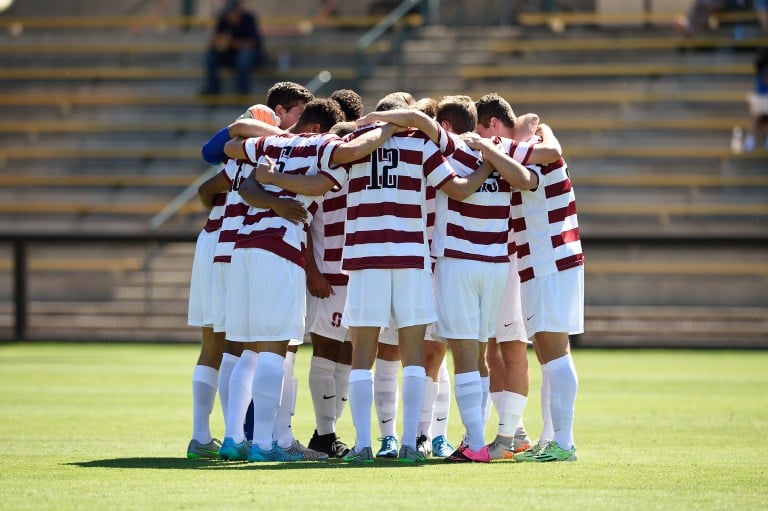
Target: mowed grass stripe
x=95, y=426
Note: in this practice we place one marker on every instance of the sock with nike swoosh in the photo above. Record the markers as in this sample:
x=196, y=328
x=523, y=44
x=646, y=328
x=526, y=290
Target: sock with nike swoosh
x=341, y=375
x=322, y=388
x=442, y=402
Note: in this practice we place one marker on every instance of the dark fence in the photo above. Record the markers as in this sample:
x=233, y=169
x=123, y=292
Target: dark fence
x=640, y=291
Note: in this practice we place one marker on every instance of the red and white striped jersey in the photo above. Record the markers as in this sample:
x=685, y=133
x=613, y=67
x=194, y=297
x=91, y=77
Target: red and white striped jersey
x=546, y=229
x=386, y=203
x=303, y=154
x=327, y=230
x=235, y=209
x=213, y=223
x=476, y=228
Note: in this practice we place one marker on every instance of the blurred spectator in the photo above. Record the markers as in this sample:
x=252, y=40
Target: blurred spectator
x=758, y=105
x=236, y=43
x=700, y=12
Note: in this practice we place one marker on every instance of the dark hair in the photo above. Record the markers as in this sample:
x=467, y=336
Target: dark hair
x=459, y=111
x=325, y=112
x=288, y=94
x=350, y=102
x=493, y=105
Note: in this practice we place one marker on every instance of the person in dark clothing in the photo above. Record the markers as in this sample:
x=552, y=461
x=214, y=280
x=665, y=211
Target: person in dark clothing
x=236, y=43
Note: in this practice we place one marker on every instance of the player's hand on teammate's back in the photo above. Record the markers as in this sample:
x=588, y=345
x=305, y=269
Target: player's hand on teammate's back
x=291, y=210
x=264, y=170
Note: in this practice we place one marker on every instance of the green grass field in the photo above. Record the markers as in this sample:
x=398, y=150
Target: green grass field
x=106, y=427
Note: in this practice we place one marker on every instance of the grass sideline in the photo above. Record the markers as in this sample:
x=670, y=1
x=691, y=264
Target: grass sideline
x=94, y=426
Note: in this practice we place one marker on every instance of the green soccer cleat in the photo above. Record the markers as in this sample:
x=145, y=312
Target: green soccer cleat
x=410, y=455
x=553, y=452
x=196, y=450
x=364, y=455
x=530, y=453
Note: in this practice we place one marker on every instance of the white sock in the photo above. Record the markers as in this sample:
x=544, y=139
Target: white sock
x=547, y=432
x=442, y=402
x=414, y=378
x=322, y=388
x=282, y=430
x=228, y=362
x=468, y=391
x=562, y=398
x=485, y=382
x=494, y=401
x=240, y=395
x=360, y=401
x=204, y=380
x=266, y=390
x=428, y=408
x=341, y=375
x=512, y=406
x=385, y=393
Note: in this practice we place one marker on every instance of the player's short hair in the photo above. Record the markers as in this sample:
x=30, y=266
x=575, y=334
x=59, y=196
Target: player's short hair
x=288, y=94
x=459, y=111
x=325, y=112
x=343, y=128
x=427, y=106
x=395, y=101
x=493, y=105
x=350, y=102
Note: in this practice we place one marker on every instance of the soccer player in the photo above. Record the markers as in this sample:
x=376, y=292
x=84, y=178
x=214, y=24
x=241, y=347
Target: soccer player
x=551, y=269
x=267, y=278
x=470, y=244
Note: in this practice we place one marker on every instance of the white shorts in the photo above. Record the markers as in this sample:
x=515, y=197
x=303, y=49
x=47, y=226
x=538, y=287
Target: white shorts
x=555, y=302
x=200, y=308
x=324, y=315
x=219, y=296
x=468, y=297
x=389, y=335
x=266, y=298
x=510, y=325
x=394, y=298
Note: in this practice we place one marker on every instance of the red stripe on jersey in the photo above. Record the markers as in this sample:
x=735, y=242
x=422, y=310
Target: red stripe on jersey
x=571, y=261
x=557, y=189
x=334, y=229
x=476, y=237
x=383, y=236
x=222, y=259
x=565, y=237
x=546, y=169
x=560, y=214
x=227, y=236
x=336, y=279
x=478, y=211
x=432, y=162
x=234, y=210
x=523, y=250
x=526, y=275
x=383, y=262
x=409, y=156
x=518, y=224
x=332, y=254
x=468, y=160
x=253, y=219
x=334, y=203
x=386, y=208
x=359, y=184
x=212, y=225
x=517, y=198
x=458, y=254
x=274, y=244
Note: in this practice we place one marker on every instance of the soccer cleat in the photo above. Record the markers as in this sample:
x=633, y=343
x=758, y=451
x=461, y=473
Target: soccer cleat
x=501, y=450
x=364, y=455
x=553, y=452
x=410, y=455
x=424, y=446
x=330, y=444
x=466, y=455
x=440, y=447
x=532, y=452
x=196, y=450
x=277, y=453
x=234, y=452
x=306, y=453
x=389, y=446
x=522, y=442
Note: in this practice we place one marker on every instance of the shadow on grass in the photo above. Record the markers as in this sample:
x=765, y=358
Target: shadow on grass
x=204, y=464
